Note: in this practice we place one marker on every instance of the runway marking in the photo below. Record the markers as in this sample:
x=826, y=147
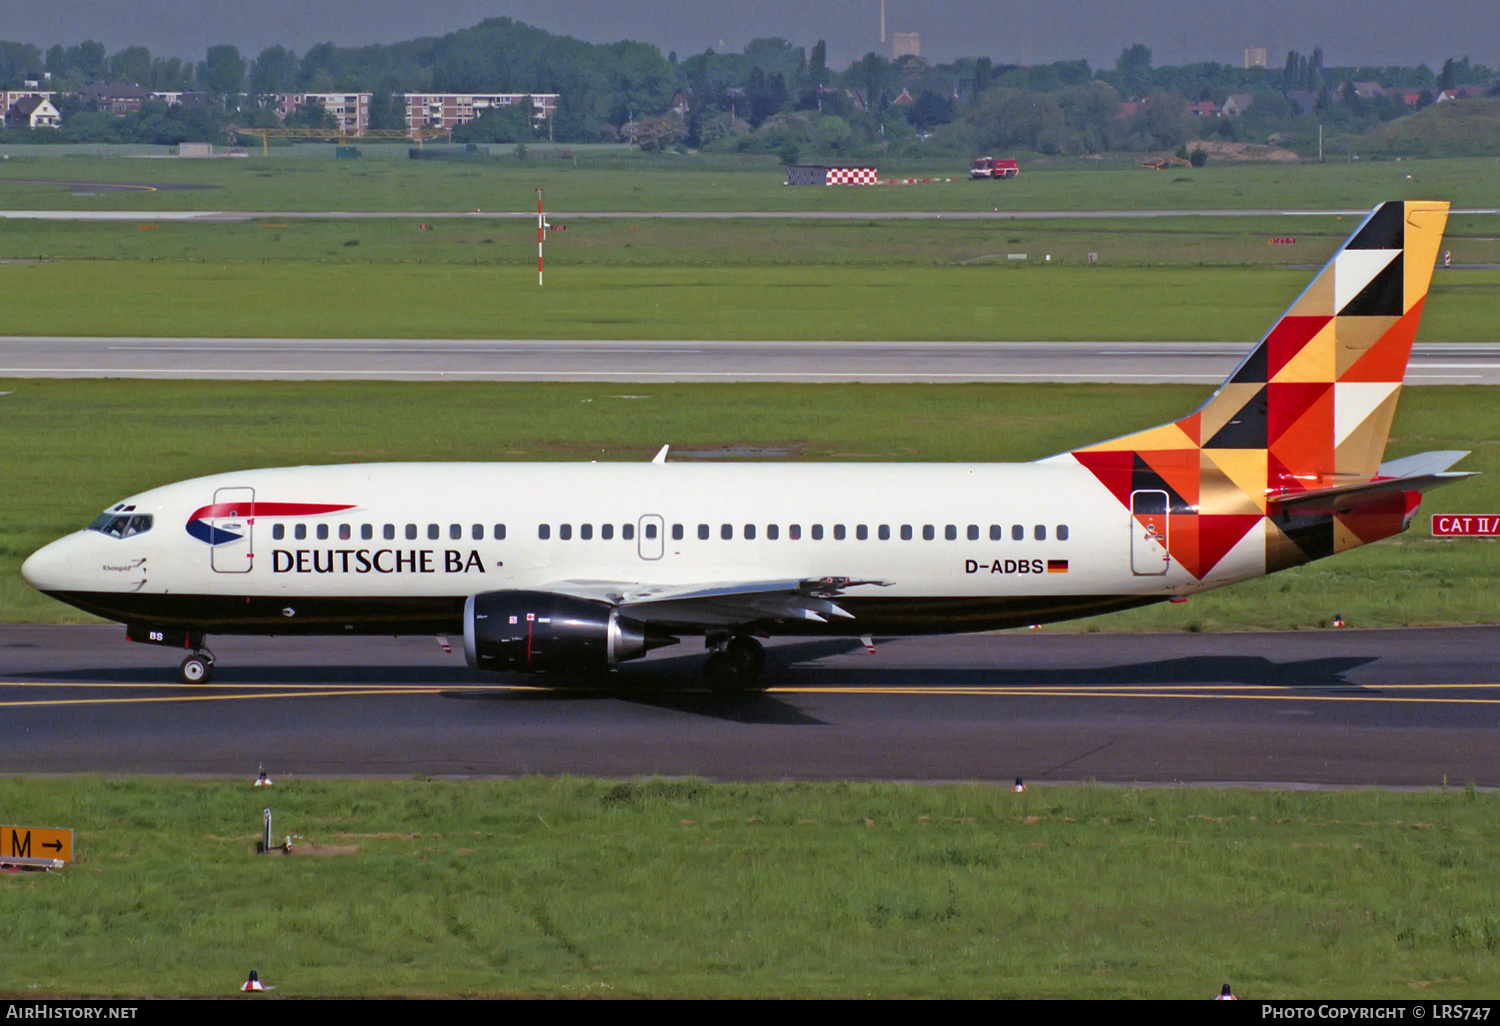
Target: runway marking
x=126, y=372
x=241, y=692
x=1247, y=693
x=1224, y=692
x=177, y=685
x=419, y=350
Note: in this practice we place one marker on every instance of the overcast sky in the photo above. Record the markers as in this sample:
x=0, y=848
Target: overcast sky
x=1351, y=32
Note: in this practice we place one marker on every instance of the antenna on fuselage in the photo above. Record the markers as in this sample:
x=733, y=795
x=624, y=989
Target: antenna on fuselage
x=661, y=457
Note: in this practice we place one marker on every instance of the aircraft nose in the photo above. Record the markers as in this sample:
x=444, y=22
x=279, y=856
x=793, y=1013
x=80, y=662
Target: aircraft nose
x=46, y=568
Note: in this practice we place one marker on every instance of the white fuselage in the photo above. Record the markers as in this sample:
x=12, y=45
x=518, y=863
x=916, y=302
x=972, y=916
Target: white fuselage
x=1038, y=531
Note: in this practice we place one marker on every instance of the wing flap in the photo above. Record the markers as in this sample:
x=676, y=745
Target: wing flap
x=721, y=604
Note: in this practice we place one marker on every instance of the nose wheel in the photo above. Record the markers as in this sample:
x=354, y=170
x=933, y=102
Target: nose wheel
x=197, y=668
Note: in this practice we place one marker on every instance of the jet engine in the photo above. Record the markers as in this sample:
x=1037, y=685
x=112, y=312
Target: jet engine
x=538, y=631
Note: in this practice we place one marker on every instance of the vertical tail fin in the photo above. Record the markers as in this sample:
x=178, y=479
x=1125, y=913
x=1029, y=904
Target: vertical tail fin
x=1309, y=408
x=1320, y=390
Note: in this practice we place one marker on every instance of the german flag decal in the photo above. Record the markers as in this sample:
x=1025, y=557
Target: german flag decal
x=1057, y=566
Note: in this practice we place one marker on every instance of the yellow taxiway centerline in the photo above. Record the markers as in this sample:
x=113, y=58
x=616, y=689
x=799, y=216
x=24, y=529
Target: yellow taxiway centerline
x=1374, y=693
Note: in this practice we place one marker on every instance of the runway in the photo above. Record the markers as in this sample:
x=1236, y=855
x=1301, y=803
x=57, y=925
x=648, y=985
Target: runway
x=625, y=362
x=559, y=216
x=1410, y=708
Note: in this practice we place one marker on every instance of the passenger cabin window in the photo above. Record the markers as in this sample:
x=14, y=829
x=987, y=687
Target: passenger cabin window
x=366, y=531
x=817, y=532
x=544, y=531
x=278, y=531
x=906, y=532
x=564, y=532
x=726, y=531
x=455, y=531
x=477, y=532
x=838, y=532
x=772, y=532
x=433, y=532
x=929, y=533
x=677, y=532
x=749, y=532
x=995, y=532
x=1018, y=533
x=389, y=532
x=794, y=532
x=951, y=532
x=973, y=532
x=627, y=532
x=885, y=532
x=1062, y=532
x=651, y=531
x=862, y=532
x=299, y=531
x=345, y=532
x=322, y=532
x=606, y=531
x=411, y=532
x=1040, y=532
x=499, y=532
x=585, y=532
x=703, y=532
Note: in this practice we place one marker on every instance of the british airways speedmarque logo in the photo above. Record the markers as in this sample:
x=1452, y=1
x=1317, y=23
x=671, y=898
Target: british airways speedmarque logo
x=245, y=513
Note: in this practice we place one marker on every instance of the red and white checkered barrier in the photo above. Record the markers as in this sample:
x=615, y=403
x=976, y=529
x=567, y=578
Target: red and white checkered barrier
x=850, y=176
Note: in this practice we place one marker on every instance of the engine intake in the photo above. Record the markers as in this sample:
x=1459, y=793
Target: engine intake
x=540, y=631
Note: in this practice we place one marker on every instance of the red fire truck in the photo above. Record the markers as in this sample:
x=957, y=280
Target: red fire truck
x=992, y=167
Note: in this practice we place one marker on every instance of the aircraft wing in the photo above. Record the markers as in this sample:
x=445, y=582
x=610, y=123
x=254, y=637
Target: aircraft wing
x=1420, y=473
x=723, y=604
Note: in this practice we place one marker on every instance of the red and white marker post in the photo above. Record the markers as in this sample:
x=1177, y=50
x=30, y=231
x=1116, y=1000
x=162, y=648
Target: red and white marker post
x=542, y=227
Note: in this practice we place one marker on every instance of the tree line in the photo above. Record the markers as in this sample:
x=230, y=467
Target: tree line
x=773, y=96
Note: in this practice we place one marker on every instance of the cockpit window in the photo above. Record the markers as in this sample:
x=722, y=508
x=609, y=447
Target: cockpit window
x=118, y=525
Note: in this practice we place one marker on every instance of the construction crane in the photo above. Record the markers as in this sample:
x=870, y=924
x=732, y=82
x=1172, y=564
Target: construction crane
x=341, y=135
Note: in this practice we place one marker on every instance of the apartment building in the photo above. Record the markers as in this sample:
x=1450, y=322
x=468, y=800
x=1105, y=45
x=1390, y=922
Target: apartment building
x=352, y=110
x=448, y=110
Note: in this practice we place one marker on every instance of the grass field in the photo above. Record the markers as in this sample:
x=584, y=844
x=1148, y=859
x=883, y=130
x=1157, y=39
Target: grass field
x=74, y=447
x=684, y=889
x=983, y=302
x=675, y=182
x=735, y=242
x=1192, y=279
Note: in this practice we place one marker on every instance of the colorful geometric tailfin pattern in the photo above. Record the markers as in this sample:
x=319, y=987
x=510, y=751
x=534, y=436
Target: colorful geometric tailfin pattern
x=1309, y=408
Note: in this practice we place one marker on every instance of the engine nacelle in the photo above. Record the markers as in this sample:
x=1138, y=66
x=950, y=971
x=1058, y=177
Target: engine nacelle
x=537, y=631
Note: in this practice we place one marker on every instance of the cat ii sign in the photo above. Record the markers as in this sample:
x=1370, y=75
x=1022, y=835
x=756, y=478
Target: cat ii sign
x=1466, y=525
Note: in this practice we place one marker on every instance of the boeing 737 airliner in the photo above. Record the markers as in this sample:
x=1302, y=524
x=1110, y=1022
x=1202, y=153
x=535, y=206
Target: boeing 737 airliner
x=577, y=567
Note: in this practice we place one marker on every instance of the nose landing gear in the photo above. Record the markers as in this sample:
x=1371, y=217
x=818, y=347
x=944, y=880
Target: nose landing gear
x=197, y=668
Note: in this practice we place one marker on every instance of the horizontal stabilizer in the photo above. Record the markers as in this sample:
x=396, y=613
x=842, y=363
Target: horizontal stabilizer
x=1421, y=463
x=1420, y=473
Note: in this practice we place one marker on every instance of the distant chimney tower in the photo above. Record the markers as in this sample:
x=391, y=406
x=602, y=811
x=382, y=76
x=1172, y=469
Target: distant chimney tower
x=1255, y=57
x=905, y=44
x=882, y=22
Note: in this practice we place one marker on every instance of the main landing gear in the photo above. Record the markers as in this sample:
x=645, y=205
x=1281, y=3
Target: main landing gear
x=734, y=665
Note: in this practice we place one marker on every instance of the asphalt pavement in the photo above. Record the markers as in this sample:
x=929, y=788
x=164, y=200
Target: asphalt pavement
x=644, y=362
x=1391, y=708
